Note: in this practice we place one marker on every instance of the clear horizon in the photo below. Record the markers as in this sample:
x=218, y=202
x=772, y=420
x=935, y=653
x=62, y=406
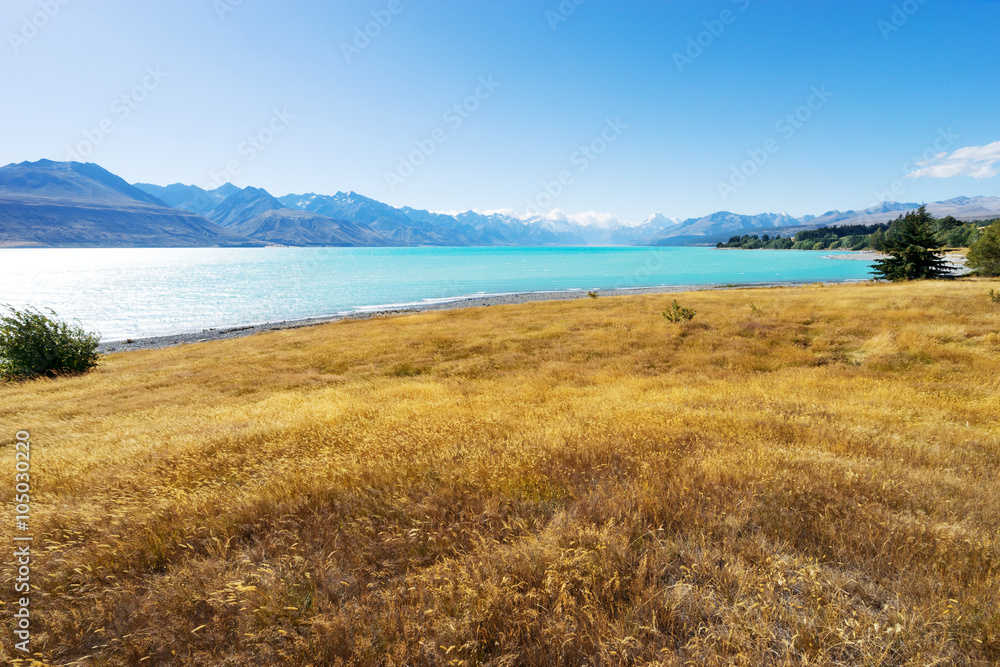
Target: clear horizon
x=531, y=106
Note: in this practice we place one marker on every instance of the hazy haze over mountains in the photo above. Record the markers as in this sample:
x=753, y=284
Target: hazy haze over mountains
x=49, y=203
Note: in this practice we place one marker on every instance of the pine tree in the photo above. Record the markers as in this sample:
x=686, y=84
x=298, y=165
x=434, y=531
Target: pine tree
x=913, y=251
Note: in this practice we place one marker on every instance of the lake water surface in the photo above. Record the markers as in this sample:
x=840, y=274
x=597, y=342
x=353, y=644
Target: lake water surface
x=133, y=293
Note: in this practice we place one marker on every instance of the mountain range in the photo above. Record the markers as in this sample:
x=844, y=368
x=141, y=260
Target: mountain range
x=72, y=204
x=67, y=204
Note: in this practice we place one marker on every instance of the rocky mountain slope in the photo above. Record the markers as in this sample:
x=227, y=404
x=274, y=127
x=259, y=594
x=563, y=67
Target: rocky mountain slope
x=72, y=204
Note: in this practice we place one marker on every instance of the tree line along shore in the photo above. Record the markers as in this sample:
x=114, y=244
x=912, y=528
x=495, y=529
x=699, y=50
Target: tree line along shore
x=948, y=233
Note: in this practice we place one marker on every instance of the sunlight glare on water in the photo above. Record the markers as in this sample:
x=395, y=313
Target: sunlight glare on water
x=132, y=293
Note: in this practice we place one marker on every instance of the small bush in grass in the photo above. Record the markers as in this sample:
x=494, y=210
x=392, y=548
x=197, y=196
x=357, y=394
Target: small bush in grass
x=32, y=344
x=593, y=295
x=994, y=296
x=676, y=314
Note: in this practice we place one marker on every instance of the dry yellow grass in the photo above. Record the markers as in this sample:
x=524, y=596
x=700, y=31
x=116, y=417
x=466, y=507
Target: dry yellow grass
x=813, y=481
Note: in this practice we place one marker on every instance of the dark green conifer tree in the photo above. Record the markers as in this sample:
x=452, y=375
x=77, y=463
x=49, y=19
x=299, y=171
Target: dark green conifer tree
x=913, y=253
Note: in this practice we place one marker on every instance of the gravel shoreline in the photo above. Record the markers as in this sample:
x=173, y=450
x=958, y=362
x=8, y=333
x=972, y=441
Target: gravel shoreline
x=225, y=333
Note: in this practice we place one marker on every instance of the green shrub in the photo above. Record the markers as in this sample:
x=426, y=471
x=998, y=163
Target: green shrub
x=676, y=314
x=984, y=255
x=35, y=345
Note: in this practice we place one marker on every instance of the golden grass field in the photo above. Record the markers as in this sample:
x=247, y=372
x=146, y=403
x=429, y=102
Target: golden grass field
x=811, y=480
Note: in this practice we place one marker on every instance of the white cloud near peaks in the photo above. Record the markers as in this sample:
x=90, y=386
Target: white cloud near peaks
x=587, y=219
x=979, y=162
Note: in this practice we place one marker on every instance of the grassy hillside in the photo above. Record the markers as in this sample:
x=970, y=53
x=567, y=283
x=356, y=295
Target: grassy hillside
x=811, y=480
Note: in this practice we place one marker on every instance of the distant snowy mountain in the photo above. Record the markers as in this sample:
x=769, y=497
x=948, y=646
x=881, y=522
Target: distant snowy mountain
x=253, y=212
x=967, y=208
x=501, y=228
x=655, y=226
x=390, y=222
x=962, y=208
x=881, y=213
x=414, y=226
x=660, y=221
x=52, y=203
x=717, y=225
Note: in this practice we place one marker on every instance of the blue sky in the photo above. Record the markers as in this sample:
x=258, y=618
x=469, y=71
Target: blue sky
x=627, y=108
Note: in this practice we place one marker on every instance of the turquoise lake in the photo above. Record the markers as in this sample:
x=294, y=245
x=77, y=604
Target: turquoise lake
x=134, y=293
